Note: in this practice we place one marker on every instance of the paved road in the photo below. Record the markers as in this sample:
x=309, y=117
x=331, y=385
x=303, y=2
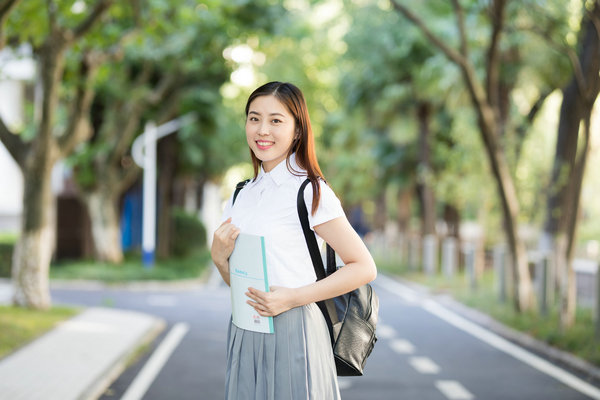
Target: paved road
x=424, y=351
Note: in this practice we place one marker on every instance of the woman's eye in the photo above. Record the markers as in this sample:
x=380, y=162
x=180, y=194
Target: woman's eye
x=276, y=121
x=253, y=119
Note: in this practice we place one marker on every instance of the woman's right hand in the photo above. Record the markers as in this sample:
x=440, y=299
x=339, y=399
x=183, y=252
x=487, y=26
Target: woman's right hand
x=223, y=243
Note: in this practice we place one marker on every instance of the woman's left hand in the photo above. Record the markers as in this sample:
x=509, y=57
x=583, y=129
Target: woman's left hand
x=270, y=304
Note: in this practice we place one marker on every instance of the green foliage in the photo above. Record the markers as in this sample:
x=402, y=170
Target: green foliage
x=363, y=70
x=189, y=267
x=189, y=233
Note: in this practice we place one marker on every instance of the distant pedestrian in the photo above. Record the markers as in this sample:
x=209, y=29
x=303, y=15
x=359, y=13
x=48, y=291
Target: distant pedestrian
x=296, y=362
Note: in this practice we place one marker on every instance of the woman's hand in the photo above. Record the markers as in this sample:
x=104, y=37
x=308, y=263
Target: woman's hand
x=270, y=304
x=222, y=247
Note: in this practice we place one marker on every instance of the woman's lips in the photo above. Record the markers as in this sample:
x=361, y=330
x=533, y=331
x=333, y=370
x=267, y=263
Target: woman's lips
x=264, y=145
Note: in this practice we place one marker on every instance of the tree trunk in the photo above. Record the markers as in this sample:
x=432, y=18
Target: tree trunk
x=562, y=212
x=31, y=260
x=167, y=160
x=404, y=202
x=510, y=210
x=33, y=251
x=425, y=171
x=452, y=219
x=566, y=280
x=106, y=232
x=380, y=217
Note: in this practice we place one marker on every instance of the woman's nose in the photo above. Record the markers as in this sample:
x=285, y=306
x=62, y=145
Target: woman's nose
x=263, y=129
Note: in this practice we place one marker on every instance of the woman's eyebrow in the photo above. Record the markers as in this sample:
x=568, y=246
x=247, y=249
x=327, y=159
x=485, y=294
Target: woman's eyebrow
x=271, y=114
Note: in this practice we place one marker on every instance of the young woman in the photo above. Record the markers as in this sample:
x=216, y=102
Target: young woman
x=296, y=362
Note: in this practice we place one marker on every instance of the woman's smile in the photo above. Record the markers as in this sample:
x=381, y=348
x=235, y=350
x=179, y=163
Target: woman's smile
x=264, y=144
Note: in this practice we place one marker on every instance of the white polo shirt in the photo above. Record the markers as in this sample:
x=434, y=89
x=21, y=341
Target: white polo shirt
x=267, y=207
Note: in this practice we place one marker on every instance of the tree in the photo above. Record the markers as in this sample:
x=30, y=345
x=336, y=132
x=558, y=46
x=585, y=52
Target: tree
x=486, y=102
x=56, y=35
x=572, y=147
x=103, y=167
x=405, y=89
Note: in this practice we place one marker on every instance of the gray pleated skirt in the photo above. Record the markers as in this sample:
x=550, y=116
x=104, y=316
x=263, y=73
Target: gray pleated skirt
x=296, y=362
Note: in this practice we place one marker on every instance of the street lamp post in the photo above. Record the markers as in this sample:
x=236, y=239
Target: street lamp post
x=149, y=199
x=143, y=152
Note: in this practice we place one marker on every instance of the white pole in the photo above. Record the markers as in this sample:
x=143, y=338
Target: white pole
x=149, y=211
x=143, y=152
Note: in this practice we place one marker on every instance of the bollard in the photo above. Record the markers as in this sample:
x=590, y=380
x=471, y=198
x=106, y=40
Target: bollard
x=449, y=256
x=400, y=249
x=430, y=254
x=542, y=278
x=469, y=250
x=414, y=253
x=499, y=260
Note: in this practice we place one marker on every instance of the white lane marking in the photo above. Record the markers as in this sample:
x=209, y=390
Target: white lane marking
x=159, y=358
x=402, y=346
x=161, y=301
x=344, y=383
x=424, y=365
x=517, y=352
x=501, y=344
x=454, y=390
x=392, y=286
x=385, y=331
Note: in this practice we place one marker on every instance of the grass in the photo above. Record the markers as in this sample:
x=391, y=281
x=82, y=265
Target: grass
x=10, y=238
x=131, y=269
x=578, y=340
x=19, y=326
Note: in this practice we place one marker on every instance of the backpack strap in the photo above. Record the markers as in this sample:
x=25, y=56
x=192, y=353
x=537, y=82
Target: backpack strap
x=309, y=235
x=311, y=240
x=239, y=187
x=327, y=307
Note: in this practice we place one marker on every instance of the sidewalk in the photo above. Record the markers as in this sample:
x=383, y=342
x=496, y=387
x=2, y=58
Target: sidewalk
x=79, y=358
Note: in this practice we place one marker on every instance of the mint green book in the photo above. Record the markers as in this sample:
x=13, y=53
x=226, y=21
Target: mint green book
x=248, y=268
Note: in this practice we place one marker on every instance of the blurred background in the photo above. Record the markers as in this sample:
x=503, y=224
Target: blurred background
x=461, y=137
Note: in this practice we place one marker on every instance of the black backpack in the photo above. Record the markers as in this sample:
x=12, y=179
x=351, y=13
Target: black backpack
x=351, y=317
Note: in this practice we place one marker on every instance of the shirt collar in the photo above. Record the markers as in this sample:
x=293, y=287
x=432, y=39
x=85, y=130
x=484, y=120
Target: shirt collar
x=281, y=172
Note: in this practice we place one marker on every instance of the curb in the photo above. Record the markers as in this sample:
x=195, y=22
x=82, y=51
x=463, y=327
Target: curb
x=582, y=367
x=96, y=389
x=144, y=285
x=82, y=284
x=81, y=357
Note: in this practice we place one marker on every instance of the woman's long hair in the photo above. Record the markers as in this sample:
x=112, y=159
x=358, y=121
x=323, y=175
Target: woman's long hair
x=304, y=142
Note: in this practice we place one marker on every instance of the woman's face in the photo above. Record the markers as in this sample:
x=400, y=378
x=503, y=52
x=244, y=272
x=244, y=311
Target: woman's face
x=269, y=130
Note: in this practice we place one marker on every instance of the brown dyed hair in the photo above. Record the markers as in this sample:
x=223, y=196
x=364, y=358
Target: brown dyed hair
x=304, y=143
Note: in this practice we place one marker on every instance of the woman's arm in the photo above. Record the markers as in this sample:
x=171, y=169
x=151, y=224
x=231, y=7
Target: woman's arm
x=359, y=269
x=222, y=247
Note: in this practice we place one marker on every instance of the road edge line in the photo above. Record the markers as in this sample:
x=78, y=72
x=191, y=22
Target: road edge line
x=154, y=365
x=497, y=341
